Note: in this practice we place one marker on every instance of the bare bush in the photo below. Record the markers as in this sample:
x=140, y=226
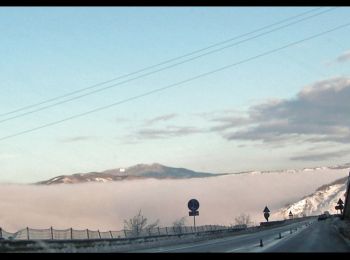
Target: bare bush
x=138, y=224
x=179, y=224
x=243, y=220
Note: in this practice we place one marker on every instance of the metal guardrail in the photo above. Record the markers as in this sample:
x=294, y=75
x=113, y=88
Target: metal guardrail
x=86, y=234
x=73, y=234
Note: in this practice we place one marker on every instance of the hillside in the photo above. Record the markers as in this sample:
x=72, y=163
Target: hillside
x=139, y=171
x=323, y=199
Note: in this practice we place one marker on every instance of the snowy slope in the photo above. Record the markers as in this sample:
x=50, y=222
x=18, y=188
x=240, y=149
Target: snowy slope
x=323, y=199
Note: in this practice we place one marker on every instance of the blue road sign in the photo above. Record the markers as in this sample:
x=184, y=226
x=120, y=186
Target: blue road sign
x=193, y=204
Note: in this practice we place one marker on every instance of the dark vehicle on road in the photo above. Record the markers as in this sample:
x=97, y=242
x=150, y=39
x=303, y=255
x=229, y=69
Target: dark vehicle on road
x=322, y=217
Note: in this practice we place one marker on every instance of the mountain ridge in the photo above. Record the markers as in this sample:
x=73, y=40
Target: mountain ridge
x=157, y=171
x=138, y=171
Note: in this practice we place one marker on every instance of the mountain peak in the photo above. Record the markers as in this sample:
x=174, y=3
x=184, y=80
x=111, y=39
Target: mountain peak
x=138, y=171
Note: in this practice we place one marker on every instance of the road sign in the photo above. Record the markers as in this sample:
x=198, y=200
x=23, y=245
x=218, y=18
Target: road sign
x=193, y=213
x=266, y=213
x=193, y=204
x=266, y=209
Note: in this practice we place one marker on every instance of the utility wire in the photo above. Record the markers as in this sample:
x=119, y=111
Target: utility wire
x=176, y=84
x=157, y=65
x=161, y=69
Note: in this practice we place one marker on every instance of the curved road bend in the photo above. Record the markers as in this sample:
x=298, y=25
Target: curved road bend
x=238, y=243
x=322, y=236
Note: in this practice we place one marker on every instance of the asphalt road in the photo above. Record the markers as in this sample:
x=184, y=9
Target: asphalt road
x=322, y=236
x=243, y=243
x=306, y=236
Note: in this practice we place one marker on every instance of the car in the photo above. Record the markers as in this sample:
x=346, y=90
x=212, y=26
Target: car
x=322, y=217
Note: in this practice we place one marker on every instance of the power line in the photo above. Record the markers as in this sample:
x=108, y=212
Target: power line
x=161, y=69
x=175, y=84
x=157, y=65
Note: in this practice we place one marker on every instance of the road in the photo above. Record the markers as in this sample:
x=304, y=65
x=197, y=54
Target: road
x=322, y=236
x=306, y=236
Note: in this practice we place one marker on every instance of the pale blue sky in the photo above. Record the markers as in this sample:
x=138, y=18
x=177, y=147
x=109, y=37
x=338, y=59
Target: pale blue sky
x=47, y=52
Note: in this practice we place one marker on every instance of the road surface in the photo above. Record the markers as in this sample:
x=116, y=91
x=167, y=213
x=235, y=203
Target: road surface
x=323, y=236
x=306, y=236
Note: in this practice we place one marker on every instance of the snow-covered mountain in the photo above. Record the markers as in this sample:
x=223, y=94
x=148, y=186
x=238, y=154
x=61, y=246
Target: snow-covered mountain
x=158, y=171
x=139, y=171
x=325, y=198
x=105, y=206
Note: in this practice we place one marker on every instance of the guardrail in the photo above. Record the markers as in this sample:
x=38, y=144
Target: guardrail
x=50, y=242
x=86, y=234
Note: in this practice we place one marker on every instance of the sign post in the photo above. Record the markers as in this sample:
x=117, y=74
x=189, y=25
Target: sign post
x=193, y=205
x=266, y=213
x=290, y=215
x=340, y=206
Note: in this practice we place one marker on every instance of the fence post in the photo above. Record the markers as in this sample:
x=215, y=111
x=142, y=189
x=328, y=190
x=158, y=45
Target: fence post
x=110, y=232
x=51, y=233
x=0, y=232
x=158, y=231
x=125, y=233
x=99, y=234
x=166, y=230
x=27, y=233
x=71, y=233
x=87, y=232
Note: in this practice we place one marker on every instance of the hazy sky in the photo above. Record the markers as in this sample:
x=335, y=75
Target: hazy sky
x=289, y=109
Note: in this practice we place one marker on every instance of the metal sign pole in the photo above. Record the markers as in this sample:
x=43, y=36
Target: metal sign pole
x=193, y=205
x=194, y=222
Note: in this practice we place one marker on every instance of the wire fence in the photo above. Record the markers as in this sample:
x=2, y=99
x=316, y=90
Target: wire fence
x=73, y=234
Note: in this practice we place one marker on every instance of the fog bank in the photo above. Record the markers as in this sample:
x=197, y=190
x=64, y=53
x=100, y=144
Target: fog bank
x=104, y=206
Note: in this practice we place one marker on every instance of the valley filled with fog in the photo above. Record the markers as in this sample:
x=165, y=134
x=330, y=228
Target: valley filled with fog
x=104, y=206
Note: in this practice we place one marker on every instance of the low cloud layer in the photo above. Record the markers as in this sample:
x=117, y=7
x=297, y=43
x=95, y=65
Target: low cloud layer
x=77, y=139
x=319, y=113
x=161, y=118
x=344, y=57
x=321, y=156
x=104, y=206
x=167, y=132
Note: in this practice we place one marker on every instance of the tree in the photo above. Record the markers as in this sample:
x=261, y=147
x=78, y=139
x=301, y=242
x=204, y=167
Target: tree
x=243, y=220
x=134, y=226
x=178, y=224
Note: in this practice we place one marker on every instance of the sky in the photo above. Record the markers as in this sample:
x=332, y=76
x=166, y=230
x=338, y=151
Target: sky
x=284, y=110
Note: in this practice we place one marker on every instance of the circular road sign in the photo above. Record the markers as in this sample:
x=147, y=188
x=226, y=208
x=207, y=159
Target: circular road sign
x=193, y=204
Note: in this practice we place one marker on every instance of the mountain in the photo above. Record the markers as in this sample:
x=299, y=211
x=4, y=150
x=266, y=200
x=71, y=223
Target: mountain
x=105, y=207
x=139, y=171
x=325, y=198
